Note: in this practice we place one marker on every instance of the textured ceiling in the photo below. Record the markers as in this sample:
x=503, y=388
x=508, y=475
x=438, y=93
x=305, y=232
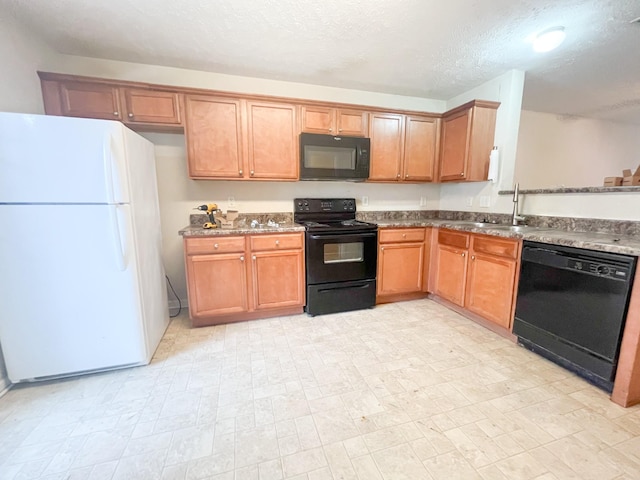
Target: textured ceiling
x=426, y=48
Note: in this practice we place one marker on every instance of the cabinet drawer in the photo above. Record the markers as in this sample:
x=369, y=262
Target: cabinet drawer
x=401, y=235
x=276, y=242
x=455, y=239
x=214, y=244
x=495, y=246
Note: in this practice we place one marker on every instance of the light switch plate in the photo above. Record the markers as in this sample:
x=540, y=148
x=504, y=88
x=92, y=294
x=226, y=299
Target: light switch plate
x=423, y=201
x=469, y=201
x=485, y=201
x=365, y=200
x=231, y=201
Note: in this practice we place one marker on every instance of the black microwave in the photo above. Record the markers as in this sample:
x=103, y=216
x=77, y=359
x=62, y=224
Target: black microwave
x=325, y=157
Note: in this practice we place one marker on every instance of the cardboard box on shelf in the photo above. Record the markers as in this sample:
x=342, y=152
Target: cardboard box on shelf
x=612, y=181
x=631, y=178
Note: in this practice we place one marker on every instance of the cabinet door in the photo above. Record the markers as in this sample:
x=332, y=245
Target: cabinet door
x=420, y=146
x=386, y=132
x=490, y=287
x=217, y=284
x=272, y=141
x=451, y=273
x=317, y=119
x=150, y=106
x=352, y=122
x=214, y=137
x=90, y=100
x=278, y=279
x=400, y=268
x=454, y=146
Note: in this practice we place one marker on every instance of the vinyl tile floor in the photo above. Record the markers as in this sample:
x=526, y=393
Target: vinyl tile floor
x=408, y=390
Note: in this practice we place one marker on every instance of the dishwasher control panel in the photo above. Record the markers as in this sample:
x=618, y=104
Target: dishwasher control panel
x=600, y=269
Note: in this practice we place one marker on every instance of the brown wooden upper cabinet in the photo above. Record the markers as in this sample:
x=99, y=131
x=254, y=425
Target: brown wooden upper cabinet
x=403, y=147
x=334, y=121
x=466, y=141
x=137, y=107
x=237, y=139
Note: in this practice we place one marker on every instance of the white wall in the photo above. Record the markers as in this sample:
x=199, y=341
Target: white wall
x=21, y=56
x=555, y=151
x=506, y=89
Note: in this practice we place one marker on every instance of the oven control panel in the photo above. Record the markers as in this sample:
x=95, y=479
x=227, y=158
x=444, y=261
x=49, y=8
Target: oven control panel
x=324, y=205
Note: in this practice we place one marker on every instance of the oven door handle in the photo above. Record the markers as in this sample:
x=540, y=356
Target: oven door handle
x=344, y=236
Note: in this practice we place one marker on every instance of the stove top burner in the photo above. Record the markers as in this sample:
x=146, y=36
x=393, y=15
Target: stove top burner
x=344, y=225
x=335, y=215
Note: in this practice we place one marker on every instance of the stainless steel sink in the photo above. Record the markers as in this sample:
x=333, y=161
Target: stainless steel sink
x=513, y=228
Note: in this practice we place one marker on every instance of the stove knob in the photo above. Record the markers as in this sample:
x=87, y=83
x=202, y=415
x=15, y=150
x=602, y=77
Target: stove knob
x=603, y=270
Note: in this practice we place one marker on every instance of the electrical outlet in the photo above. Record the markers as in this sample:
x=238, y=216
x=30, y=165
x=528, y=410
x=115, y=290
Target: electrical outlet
x=365, y=200
x=231, y=201
x=485, y=201
x=423, y=201
x=469, y=201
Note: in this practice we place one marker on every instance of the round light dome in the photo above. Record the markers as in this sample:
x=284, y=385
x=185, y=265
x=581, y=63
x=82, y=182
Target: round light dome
x=548, y=39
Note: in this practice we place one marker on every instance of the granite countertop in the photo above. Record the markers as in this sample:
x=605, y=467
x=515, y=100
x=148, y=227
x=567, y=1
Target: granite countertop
x=606, y=242
x=198, y=231
x=571, y=235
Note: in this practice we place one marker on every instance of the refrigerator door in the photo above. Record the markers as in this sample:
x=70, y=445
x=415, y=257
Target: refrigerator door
x=49, y=159
x=70, y=297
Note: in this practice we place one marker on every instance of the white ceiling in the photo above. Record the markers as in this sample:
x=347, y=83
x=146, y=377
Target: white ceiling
x=427, y=48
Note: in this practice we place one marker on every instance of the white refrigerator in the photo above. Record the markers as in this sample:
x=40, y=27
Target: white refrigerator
x=82, y=285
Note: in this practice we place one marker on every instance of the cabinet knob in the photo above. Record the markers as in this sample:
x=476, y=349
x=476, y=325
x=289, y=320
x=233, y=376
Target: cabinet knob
x=464, y=254
x=115, y=114
x=130, y=115
x=277, y=242
x=215, y=245
x=339, y=129
x=242, y=258
x=473, y=257
x=398, y=176
x=462, y=174
x=404, y=235
x=331, y=129
x=240, y=172
x=254, y=257
x=251, y=173
x=406, y=176
x=381, y=248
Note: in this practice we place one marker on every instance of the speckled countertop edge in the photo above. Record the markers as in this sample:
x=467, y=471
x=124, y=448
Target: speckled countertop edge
x=548, y=191
x=605, y=242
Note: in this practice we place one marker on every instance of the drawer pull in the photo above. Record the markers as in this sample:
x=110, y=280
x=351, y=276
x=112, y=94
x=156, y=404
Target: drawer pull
x=215, y=245
x=277, y=242
x=242, y=258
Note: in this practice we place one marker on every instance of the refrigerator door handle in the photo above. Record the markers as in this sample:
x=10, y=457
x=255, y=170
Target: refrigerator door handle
x=117, y=238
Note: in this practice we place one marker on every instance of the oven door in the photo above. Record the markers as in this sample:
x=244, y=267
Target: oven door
x=341, y=257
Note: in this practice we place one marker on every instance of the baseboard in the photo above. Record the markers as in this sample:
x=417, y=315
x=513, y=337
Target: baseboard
x=5, y=389
x=174, y=305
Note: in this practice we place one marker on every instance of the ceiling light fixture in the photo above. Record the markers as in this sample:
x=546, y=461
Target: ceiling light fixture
x=548, y=39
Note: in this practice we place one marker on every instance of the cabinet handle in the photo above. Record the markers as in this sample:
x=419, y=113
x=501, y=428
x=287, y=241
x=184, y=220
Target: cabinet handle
x=240, y=172
x=242, y=258
x=130, y=115
x=215, y=245
x=251, y=173
x=463, y=254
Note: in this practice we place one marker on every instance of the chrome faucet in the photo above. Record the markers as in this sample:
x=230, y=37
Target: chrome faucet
x=515, y=218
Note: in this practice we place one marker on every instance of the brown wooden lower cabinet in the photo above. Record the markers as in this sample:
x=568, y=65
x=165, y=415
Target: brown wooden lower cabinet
x=244, y=277
x=478, y=272
x=402, y=262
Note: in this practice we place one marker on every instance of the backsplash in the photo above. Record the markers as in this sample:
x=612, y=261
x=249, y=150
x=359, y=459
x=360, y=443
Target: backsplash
x=244, y=219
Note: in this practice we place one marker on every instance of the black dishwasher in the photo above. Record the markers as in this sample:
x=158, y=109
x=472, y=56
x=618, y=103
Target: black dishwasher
x=571, y=307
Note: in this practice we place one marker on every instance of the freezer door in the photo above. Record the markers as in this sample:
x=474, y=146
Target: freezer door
x=70, y=297
x=49, y=159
